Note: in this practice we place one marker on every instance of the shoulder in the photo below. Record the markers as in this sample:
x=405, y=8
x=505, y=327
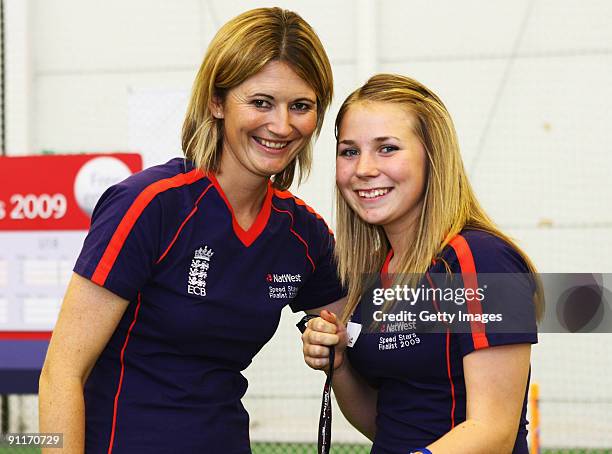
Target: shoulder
x=155, y=180
x=483, y=252
x=173, y=184
x=302, y=214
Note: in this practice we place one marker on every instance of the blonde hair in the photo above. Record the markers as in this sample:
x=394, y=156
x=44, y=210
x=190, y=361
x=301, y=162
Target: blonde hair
x=449, y=203
x=240, y=49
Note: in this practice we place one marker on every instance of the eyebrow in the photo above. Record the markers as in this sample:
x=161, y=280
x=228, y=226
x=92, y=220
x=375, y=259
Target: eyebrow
x=264, y=95
x=377, y=139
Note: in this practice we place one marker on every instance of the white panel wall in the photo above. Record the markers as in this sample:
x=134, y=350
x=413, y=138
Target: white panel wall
x=87, y=37
x=448, y=30
x=527, y=83
x=89, y=54
x=569, y=28
x=19, y=81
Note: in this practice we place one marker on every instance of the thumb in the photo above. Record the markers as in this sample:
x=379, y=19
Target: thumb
x=330, y=317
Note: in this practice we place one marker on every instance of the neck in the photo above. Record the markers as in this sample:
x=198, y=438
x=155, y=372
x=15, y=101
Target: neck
x=401, y=237
x=244, y=198
x=244, y=190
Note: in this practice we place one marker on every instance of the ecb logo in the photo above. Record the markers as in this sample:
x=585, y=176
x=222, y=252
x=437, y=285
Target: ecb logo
x=198, y=271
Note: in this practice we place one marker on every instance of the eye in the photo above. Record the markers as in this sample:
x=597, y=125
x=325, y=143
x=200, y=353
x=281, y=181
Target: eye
x=261, y=103
x=301, y=107
x=386, y=149
x=348, y=152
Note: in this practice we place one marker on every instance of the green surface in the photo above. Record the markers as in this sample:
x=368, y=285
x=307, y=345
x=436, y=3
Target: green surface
x=306, y=448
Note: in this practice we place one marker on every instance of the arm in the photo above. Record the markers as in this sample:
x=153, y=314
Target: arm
x=495, y=380
x=87, y=320
x=337, y=307
x=356, y=398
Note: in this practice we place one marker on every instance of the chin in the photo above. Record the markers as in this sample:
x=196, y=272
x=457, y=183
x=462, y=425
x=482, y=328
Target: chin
x=374, y=221
x=269, y=172
x=379, y=217
x=370, y=219
x=276, y=168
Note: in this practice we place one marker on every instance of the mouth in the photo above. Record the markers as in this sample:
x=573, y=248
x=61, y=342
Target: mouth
x=373, y=194
x=272, y=146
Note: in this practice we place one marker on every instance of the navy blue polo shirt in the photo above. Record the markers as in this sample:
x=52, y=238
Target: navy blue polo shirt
x=419, y=375
x=205, y=296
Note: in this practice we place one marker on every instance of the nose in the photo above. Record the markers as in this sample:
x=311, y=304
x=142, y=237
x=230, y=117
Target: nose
x=366, y=166
x=280, y=123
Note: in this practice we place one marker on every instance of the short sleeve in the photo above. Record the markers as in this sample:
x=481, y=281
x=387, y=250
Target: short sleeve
x=509, y=296
x=123, y=241
x=323, y=286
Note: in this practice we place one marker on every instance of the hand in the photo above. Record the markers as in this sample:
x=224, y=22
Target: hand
x=321, y=333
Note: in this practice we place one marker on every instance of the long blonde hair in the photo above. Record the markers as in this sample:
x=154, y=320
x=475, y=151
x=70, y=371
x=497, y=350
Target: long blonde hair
x=449, y=203
x=240, y=49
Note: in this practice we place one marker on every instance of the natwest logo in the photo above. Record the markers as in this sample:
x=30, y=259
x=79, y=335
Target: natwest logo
x=283, y=278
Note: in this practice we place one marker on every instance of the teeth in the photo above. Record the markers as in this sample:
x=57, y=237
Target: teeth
x=373, y=193
x=275, y=145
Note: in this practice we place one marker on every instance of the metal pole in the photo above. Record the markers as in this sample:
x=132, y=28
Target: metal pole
x=4, y=407
x=2, y=86
x=367, y=45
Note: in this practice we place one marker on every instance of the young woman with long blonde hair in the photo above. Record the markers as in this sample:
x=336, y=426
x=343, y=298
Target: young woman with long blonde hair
x=405, y=208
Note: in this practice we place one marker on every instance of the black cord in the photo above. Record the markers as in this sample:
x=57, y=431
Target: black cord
x=325, y=418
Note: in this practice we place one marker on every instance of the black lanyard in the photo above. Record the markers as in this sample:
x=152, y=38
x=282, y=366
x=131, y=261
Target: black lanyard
x=325, y=418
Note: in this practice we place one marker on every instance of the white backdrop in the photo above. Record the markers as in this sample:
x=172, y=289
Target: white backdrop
x=527, y=82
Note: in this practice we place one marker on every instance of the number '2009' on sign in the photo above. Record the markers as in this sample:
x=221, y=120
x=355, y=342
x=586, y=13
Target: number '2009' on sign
x=31, y=206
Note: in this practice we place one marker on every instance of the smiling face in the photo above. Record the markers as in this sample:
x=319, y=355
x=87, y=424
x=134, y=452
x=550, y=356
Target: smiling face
x=267, y=120
x=381, y=165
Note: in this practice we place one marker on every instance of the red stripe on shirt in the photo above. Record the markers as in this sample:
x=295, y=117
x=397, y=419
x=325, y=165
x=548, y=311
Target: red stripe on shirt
x=448, y=360
x=195, y=208
x=300, y=202
x=131, y=216
x=470, y=280
x=119, y=386
x=247, y=237
x=450, y=379
x=385, y=279
x=297, y=235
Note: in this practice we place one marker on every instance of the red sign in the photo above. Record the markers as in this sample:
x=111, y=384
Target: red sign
x=58, y=192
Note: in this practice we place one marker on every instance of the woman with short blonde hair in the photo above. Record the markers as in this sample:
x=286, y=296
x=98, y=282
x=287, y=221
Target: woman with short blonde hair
x=188, y=264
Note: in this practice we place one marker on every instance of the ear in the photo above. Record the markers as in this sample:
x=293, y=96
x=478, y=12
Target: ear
x=216, y=107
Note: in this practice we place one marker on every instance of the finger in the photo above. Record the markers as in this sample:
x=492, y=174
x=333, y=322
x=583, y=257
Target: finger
x=317, y=363
x=318, y=324
x=315, y=351
x=318, y=338
x=329, y=316
x=311, y=337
